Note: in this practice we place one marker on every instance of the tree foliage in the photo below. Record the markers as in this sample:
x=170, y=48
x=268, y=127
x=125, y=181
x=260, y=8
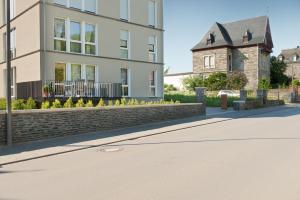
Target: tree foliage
x=216, y=81
x=264, y=84
x=278, y=76
x=169, y=88
x=236, y=81
x=191, y=82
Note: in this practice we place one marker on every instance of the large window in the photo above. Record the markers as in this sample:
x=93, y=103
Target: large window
x=152, y=49
x=124, y=10
x=209, y=61
x=83, y=5
x=81, y=37
x=152, y=83
x=152, y=13
x=60, y=42
x=75, y=36
x=90, y=39
x=124, y=45
x=90, y=73
x=124, y=81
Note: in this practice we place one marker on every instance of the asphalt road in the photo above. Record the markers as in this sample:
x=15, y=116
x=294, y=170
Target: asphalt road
x=254, y=158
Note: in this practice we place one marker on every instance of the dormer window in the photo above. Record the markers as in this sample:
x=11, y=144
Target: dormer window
x=210, y=39
x=247, y=37
x=295, y=57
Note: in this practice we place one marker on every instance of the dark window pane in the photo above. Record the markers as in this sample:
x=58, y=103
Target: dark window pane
x=75, y=47
x=90, y=49
x=60, y=72
x=60, y=45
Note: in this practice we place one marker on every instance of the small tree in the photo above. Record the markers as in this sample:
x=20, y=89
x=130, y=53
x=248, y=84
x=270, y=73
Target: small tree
x=191, y=82
x=278, y=69
x=236, y=81
x=80, y=103
x=264, y=84
x=216, y=81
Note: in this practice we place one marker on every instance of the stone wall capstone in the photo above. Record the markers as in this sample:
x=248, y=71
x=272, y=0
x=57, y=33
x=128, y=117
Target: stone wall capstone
x=45, y=124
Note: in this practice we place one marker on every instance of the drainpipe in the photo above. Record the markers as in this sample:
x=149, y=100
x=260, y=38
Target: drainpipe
x=8, y=78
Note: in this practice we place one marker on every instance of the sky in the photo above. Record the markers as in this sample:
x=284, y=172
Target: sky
x=187, y=21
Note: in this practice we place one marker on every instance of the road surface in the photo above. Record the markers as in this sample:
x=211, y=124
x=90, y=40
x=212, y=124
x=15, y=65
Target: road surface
x=254, y=158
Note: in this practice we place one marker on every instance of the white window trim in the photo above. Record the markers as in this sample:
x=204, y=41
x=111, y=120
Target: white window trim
x=82, y=6
x=128, y=86
x=68, y=40
x=155, y=14
x=210, y=66
x=155, y=83
x=12, y=10
x=128, y=45
x=155, y=49
x=128, y=11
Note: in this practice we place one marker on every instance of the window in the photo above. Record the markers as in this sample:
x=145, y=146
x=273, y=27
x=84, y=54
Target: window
x=90, y=41
x=75, y=72
x=81, y=37
x=230, y=62
x=152, y=49
x=12, y=43
x=152, y=83
x=12, y=9
x=75, y=4
x=60, y=42
x=75, y=36
x=60, y=72
x=124, y=10
x=83, y=5
x=61, y=2
x=295, y=58
x=90, y=6
x=209, y=61
x=152, y=13
x=124, y=45
x=90, y=72
x=210, y=39
x=124, y=82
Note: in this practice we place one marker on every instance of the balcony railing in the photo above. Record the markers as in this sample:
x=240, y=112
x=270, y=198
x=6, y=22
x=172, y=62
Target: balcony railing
x=84, y=89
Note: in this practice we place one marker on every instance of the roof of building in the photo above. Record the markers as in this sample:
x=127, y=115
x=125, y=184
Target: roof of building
x=290, y=52
x=232, y=34
x=179, y=74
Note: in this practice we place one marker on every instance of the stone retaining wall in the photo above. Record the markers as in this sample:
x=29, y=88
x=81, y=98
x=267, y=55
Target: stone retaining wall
x=45, y=124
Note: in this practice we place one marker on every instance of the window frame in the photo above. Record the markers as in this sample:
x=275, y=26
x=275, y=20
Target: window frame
x=128, y=82
x=65, y=39
x=76, y=41
x=154, y=85
x=90, y=43
x=155, y=14
x=82, y=7
x=230, y=64
x=128, y=11
x=122, y=48
x=210, y=66
x=154, y=52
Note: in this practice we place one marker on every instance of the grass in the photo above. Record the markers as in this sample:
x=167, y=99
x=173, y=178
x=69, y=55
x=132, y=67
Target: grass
x=211, y=101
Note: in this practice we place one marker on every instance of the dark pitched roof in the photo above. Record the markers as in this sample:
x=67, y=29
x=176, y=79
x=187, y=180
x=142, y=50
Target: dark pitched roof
x=287, y=53
x=231, y=34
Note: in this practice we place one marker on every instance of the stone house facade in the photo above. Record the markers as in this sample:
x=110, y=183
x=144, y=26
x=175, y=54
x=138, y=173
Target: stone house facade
x=292, y=59
x=243, y=46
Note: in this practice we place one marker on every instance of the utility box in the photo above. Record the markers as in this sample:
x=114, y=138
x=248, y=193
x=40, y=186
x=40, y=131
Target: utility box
x=224, y=101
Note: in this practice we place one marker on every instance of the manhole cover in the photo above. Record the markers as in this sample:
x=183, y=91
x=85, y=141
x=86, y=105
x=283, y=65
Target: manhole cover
x=110, y=150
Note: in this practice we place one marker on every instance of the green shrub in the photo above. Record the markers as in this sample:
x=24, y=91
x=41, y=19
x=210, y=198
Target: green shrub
x=101, y=103
x=183, y=98
x=110, y=103
x=46, y=105
x=18, y=104
x=264, y=84
x=123, y=102
x=30, y=104
x=80, y=103
x=2, y=104
x=169, y=88
x=117, y=103
x=191, y=82
x=69, y=103
x=56, y=104
x=216, y=81
x=295, y=82
x=236, y=81
x=143, y=103
x=89, y=104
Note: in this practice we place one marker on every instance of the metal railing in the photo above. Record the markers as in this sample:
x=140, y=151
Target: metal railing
x=84, y=89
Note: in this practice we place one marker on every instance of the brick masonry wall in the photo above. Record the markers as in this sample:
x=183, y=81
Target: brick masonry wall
x=45, y=124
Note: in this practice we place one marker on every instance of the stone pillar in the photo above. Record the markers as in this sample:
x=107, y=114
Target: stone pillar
x=262, y=96
x=243, y=95
x=224, y=101
x=200, y=94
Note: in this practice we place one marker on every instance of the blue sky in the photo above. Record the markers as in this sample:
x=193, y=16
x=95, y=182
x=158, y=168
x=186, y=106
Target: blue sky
x=186, y=22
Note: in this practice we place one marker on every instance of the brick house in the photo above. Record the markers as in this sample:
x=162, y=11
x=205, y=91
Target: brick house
x=243, y=46
x=292, y=58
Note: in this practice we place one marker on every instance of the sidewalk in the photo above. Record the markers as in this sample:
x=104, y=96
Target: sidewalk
x=40, y=149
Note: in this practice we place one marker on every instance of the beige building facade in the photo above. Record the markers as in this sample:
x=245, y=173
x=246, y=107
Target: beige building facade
x=86, y=48
x=292, y=59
